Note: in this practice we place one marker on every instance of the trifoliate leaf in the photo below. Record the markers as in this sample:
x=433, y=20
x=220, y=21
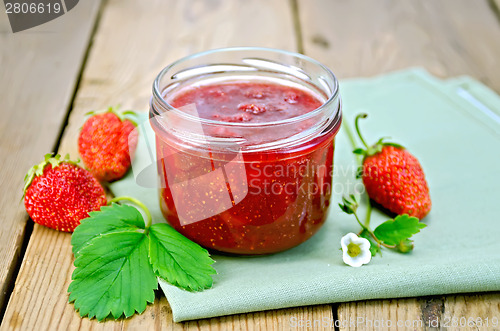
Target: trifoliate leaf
x=178, y=260
x=392, y=232
x=114, y=218
x=113, y=276
x=374, y=247
x=115, y=271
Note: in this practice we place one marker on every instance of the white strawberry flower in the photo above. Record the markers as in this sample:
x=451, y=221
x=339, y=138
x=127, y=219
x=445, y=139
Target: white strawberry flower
x=356, y=250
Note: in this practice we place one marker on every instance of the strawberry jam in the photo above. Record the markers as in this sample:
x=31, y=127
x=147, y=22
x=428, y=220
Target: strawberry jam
x=238, y=200
x=244, y=147
x=254, y=102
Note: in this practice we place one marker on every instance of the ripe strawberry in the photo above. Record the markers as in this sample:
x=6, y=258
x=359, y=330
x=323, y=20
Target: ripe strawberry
x=104, y=144
x=58, y=193
x=394, y=178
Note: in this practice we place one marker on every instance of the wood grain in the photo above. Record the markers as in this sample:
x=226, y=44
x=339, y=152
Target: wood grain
x=39, y=70
x=364, y=38
x=472, y=311
x=44, y=279
x=380, y=314
x=134, y=41
x=453, y=312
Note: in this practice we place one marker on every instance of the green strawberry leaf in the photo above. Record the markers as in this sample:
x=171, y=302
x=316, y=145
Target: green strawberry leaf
x=178, y=260
x=359, y=151
x=118, y=259
x=113, y=276
x=110, y=219
x=392, y=232
x=374, y=247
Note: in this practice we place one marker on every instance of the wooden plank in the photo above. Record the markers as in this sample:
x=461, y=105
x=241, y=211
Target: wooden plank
x=360, y=38
x=135, y=39
x=44, y=300
x=39, y=69
x=380, y=315
x=474, y=311
x=453, y=312
x=364, y=38
x=268, y=320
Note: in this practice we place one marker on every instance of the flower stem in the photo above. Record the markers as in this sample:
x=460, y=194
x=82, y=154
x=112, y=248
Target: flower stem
x=368, y=211
x=367, y=228
x=366, y=225
x=356, y=123
x=349, y=134
x=136, y=202
x=363, y=226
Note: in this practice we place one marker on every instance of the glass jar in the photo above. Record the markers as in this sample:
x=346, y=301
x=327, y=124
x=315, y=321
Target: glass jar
x=245, y=187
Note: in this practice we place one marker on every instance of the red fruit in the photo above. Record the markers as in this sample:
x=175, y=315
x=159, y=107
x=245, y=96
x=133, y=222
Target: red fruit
x=58, y=193
x=394, y=178
x=104, y=144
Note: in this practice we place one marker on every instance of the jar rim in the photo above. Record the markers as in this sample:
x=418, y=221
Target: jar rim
x=158, y=97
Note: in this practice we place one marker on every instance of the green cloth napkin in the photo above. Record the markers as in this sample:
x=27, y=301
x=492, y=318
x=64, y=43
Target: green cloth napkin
x=456, y=137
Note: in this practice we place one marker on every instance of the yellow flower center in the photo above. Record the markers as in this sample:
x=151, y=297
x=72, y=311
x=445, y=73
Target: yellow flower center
x=353, y=250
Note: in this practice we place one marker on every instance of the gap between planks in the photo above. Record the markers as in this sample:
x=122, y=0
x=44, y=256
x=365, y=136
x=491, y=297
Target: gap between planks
x=29, y=224
x=356, y=38
x=31, y=112
x=121, y=65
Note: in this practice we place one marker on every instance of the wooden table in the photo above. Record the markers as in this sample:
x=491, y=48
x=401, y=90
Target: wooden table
x=104, y=53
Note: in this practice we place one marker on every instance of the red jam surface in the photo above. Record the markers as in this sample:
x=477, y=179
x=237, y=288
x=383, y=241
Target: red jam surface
x=247, y=102
x=251, y=203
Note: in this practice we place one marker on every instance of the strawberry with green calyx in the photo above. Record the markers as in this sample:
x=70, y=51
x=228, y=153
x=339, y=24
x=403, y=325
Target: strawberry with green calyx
x=58, y=193
x=393, y=177
x=106, y=142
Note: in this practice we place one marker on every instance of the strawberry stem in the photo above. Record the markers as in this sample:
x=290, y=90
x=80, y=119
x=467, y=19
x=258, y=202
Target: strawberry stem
x=361, y=224
x=356, y=123
x=366, y=225
x=367, y=228
x=136, y=202
x=350, y=135
x=368, y=212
